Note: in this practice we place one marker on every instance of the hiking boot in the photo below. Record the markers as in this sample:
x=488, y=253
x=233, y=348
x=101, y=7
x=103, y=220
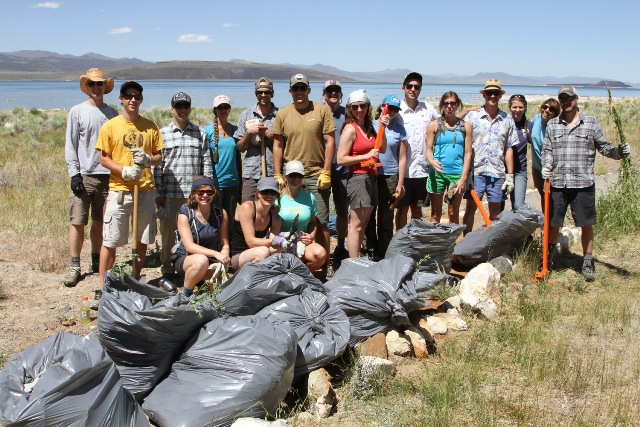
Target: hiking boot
x=553, y=256
x=72, y=277
x=97, y=295
x=588, y=271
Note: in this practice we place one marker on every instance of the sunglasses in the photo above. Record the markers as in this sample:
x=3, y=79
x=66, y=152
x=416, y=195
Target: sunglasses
x=333, y=89
x=295, y=175
x=264, y=92
x=545, y=107
x=450, y=103
x=566, y=98
x=207, y=192
x=356, y=107
x=411, y=86
x=269, y=193
x=182, y=106
x=92, y=84
x=490, y=93
x=299, y=88
x=223, y=107
x=393, y=110
x=129, y=96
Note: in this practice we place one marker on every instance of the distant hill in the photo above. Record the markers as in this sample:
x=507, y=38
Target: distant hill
x=45, y=65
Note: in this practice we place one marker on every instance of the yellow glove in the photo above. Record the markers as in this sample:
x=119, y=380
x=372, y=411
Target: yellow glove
x=280, y=180
x=324, y=180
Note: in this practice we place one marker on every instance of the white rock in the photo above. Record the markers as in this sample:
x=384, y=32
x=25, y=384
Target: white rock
x=321, y=393
x=453, y=311
x=564, y=243
x=454, y=323
x=9, y=125
x=375, y=366
x=483, y=277
x=397, y=344
x=454, y=301
x=481, y=303
x=437, y=325
x=257, y=422
x=418, y=343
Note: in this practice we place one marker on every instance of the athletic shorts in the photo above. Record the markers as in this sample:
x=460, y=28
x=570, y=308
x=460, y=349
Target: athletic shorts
x=95, y=195
x=115, y=232
x=415, y=193
x=322, y=197
x=488, y=185
x=339, y=192
x=582, y=202
x=437, y=183
x=362, y=190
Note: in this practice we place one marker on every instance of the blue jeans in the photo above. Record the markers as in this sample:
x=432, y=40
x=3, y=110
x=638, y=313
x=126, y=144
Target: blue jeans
x=519, y=189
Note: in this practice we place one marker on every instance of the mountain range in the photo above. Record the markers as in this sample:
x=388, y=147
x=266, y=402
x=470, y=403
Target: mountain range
x=38, y=65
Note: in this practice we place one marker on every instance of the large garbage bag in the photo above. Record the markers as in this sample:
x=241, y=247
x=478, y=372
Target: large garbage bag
x=374, y=295
x=256, y=286
x=65, y=380
x=424, y=282
x=322, y=330
x=144, y=337
x=505, y=235
x=420, y=238
x=237, y=367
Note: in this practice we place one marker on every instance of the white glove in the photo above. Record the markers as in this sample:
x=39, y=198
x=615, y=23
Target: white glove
x=507, y=187
x=131, y=172
x=625, y=149
x=300, y=248
x=141, y=158
x=546, y=172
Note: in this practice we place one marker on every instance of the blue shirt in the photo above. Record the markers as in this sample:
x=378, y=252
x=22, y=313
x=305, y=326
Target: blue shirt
x=225, y=170
x=537, y=131
x=338, y=117
x=395, y=133
x=448, y=152
x=303, y=205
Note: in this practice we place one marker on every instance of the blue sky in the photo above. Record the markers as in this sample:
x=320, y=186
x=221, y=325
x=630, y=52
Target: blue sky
x=543, y=38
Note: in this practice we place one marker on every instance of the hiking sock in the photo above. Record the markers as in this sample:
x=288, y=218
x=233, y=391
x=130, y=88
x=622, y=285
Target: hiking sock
x=588, y=258
x=75, y=261
x=95, y=258
x=187, y=292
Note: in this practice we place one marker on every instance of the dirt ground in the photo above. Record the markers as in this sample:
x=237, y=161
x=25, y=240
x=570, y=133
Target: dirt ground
x=34, y=300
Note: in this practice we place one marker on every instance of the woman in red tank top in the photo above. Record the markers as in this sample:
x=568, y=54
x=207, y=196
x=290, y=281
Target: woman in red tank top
x=357, y=145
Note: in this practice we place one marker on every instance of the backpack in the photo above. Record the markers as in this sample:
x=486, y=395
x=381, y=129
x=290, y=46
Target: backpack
x=460, y=126
x=191, y=215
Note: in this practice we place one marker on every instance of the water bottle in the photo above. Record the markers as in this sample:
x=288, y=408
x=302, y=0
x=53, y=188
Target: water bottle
x=85, y=310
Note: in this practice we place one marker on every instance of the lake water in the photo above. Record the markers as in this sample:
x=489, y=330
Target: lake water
x=157, y=93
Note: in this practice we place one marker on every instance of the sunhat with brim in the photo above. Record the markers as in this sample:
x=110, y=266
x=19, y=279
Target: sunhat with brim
x=95, y=75
x=492, y=84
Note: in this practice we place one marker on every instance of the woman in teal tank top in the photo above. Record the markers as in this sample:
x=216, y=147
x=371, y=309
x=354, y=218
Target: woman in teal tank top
x=449, y=154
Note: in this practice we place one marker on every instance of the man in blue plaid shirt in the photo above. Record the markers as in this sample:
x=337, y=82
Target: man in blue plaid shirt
x=568, y=155
x=185, y=156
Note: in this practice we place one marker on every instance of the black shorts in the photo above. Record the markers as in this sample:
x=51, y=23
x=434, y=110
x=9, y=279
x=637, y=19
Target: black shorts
x=179, y=263
x=582, y=202
x=415, y=193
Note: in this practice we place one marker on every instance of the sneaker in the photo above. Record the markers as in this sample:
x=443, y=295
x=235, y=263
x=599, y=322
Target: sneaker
x=72, y=277
x=588, y=271
x=553, y=256
x=94, y=268
x=97, y=295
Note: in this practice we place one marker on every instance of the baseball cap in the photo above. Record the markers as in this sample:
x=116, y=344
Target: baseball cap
x=392, y=100
x=127, y=85
x=180, y=97
x=298, y=78
x=294, y=166
x=264, y=83
x=412, y=76
x=330, y=83
x=221, y=99
x=569, y=90
x=268, y=183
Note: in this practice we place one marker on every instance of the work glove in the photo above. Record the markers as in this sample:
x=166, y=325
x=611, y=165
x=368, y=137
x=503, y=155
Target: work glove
x=507, y=187
x=162, y=213
x=280, y=180
x=546, y=172
x=131, y=172
x=77, y=186
x=141, y=158
x=324, y=180
x=279, y=242
x=300, y=248
x=624, y=149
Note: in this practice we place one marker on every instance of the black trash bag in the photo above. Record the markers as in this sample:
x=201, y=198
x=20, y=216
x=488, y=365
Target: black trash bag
x=424, y=282
x=144, y=338
x=503, y=237
x=322, y=330
x=256, y=286
x=420, y=238
x=65, y=380
x=370, y=294
x=236, y=367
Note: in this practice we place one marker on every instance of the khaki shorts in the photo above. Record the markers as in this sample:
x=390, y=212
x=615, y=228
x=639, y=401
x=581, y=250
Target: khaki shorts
x=362, y=190
x=94, y=197
x=115, y=232
x=322, y=197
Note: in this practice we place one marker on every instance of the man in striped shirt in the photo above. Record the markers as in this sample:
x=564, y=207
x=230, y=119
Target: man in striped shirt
x=568, y=155
x=185, y=156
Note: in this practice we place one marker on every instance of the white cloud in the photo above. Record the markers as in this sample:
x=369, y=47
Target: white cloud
x=46, y=4
x=194, y=38
x=121, y=30
x=229, y=24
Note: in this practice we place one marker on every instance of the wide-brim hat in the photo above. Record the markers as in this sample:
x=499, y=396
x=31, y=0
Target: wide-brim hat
x=492, y=84
x=95, y=75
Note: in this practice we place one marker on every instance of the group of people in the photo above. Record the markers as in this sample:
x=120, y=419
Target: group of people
x=217, y=206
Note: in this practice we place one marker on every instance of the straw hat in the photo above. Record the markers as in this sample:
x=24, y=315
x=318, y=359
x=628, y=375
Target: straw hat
x=95, y=75
x=492, y=84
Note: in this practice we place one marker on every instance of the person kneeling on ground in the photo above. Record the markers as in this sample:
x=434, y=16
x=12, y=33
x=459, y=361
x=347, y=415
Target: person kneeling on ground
x=297, y=202
x=202, y=227
x=256, y=227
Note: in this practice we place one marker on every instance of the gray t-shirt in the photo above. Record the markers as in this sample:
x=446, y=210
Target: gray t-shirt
x=252, y=165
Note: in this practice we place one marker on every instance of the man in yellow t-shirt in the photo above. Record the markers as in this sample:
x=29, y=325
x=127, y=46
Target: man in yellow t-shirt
x=128, y=144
